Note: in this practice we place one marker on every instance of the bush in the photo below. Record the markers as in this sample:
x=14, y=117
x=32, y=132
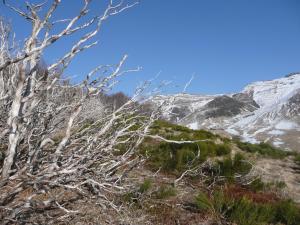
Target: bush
x=257, y=185
x=263, y=149
x=177, y=132
x=176, y=158
x=287, y=213
x=229, y=167
x=165, y=191
x=203, y=202
x=244, y=211
x=223, y=149
x=134, y=196
x=297, y=159
x=145, y=186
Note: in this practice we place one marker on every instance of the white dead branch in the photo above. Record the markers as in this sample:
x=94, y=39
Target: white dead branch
x=53, y=145
x=60, y=142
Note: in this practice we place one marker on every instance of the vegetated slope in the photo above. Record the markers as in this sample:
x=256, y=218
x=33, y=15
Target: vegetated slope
x=209, y=179
x=263, y=111
x=198, y=177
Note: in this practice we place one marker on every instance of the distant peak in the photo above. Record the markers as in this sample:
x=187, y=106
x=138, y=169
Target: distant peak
x=292, y=74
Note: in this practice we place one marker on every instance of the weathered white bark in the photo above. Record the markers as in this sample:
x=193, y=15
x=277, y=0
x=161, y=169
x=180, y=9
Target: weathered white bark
x=49, y=144
x=13, y=123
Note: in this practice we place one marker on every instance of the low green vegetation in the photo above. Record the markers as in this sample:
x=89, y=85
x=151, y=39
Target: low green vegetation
x=148, y=189
x=229, y=167
x=203, y=202
x=145, y=186
x=263, y=149
x=297, y=159
x=165, y=191
x=134, y=196
x=180, y=133
x=258, y=185
x=232, y=200
x=243, y=210
x=175, y=157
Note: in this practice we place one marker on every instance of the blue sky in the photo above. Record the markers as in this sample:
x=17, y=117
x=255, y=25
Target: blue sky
x=225, y=43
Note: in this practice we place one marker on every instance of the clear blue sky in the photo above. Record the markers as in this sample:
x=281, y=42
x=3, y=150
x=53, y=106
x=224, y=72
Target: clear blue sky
x=225, y=43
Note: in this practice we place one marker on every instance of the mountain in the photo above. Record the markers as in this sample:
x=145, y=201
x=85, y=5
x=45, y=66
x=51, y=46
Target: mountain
x=264, y=111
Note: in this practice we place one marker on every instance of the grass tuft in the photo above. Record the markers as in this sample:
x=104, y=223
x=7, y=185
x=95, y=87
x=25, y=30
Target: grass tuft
x=244, y=211
x=263, y=149
x=165, y=191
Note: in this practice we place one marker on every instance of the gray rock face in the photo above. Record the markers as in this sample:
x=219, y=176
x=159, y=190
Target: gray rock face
x=225, y=106
x=247, y=99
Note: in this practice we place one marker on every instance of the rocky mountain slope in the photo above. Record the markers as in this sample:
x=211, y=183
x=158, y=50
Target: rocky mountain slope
x=262, y=111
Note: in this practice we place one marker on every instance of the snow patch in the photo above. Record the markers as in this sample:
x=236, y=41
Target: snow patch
x=232, y=131
x=276, y=132
x=286, y=125
x=193, y=126
x=250, y=139
x=278, y=143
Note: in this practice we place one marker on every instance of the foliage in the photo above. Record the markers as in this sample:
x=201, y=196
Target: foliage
x=165, y=191
x=257, y=185
x=179, y=133
x=287, y=212
x=134, y=196
x=203, y=202
x=145, y=186
x=177, y=157
x=297, y=159
x=263, y=149
x=244, y=211
x=229, y=167
x=223, y=149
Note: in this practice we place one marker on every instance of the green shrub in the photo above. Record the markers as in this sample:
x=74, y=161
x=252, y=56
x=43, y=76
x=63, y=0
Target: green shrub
x=257, y=185
x=165, y=191
x=220, y=201
x=244, y=211
x=203, y=202
x=240, y=165
x=263, y=149
x=145, y=186
x=229, y=167
x=287, y=213
x=184, y=157
x=177, y=132
x=280, y=184
x=176, y=158
x=297, y=159
x=133, y=196
x=223, y=149
x=130, y=197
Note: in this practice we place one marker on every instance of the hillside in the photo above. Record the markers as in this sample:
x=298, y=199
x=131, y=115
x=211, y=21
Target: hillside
x=262, y=111
x=197, y=177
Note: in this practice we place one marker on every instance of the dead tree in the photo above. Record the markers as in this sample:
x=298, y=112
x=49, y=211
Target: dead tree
x=50, y=150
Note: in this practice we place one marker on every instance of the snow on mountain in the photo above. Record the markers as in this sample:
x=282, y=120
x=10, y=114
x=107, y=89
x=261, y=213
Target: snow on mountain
x=271, y=116
x=263, y=111
x=274, y=92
